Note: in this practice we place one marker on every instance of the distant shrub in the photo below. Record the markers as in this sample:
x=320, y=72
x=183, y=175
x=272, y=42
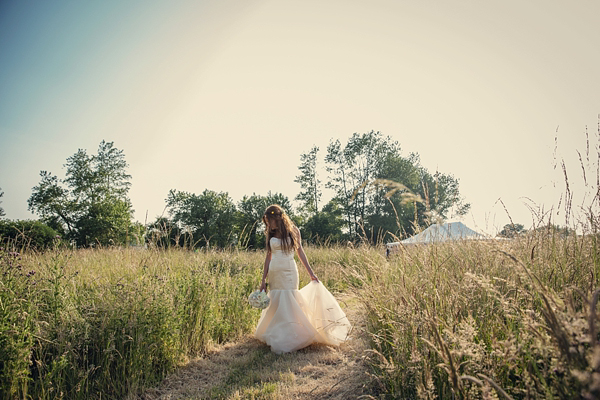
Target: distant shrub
x=27, y=233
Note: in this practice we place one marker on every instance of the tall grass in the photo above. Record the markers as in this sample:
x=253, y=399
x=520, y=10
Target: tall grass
x=91, y=323
x=105, y=323
x=495, y=319
x=477, y=319
x=462, y=320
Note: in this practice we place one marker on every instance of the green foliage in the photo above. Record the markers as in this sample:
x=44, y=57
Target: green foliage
x=207, y=218
x=17, y=325
x=2, y=213
x=89, y=206
x=351, y=166
x=164, y=233
x=211, y=219
x=250, y=211
x=371, y=210
x=136, y=234
x=512, y=230
x=309, y=182
x=27, y=234
x=106, y=222
x=105, y=323
x=445, y=321
x=325, y=226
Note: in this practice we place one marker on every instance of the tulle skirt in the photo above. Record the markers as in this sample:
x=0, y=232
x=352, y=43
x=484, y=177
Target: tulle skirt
x=298, y=318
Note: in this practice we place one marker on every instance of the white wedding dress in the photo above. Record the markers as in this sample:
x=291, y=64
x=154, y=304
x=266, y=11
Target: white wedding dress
x=297, y=318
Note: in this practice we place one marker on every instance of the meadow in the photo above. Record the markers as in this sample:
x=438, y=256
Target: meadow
x=474, y=319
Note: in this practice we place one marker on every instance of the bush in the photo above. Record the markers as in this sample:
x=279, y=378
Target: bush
x=28, y=234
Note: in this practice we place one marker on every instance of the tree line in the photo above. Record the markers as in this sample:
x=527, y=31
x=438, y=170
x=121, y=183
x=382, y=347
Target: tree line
x=378, y=195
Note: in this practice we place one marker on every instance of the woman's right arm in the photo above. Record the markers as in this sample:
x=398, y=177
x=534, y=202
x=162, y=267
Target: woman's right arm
x=263, y=285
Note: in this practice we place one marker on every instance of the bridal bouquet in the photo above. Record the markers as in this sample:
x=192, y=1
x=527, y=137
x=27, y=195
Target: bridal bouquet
x=258, y=299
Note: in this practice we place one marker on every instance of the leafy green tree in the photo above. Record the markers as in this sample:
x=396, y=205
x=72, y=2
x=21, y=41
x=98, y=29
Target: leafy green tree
x=421, y=200
x=250, y=210
x=31, y=234
x=106, y=221
x=309, y=182
x=209, y=217
x=381, y=192
x=90, y=205
x=324, y=226
x=164, y=233
x=249, y=217
x=441, y=195
x=352, y=167
x=394, y=201
x=511, y=230
x=136, y=234
x=2, y=214
x=55, y=204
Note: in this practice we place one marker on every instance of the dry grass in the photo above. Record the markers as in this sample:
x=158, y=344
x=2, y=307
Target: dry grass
x=464, y=320
x=469, y=320
x=248, y=369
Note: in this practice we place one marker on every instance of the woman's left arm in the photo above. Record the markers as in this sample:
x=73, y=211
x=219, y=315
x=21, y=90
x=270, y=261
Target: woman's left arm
x=303, y=258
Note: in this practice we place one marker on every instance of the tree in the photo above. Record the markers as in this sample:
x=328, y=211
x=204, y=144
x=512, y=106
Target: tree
x=352, y=168
x=511, y=230
x=324, y=226
x=54, y=204
x=2, y=214
x=30, y=234
x=164, y=233
x=309, y=182
x=89, y=206
x=249, y=217
x=208, y=217
x=441, y=194
x=379, y=191
x=337, y=165
x=394, y=203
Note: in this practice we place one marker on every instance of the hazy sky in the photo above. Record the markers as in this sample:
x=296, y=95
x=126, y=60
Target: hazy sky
x=226, y=95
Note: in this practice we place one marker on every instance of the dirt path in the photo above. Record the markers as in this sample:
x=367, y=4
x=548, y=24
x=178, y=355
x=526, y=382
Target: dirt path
x=247, y=369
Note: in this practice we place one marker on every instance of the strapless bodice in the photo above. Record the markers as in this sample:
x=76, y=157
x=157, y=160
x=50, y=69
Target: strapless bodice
x=277, y=249
x=283, y=273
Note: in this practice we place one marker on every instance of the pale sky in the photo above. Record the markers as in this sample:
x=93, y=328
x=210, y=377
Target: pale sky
x=226, y=95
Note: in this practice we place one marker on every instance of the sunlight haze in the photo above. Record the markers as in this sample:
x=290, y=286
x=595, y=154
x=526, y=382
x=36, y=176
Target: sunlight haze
x=226, y=95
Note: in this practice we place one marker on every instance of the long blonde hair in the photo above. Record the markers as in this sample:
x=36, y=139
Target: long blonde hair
x=284, y=228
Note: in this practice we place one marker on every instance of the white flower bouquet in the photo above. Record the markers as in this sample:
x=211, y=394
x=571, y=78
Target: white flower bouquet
x=258, y=299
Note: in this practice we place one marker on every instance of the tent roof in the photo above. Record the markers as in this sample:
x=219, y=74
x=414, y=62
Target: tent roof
x=443, y=233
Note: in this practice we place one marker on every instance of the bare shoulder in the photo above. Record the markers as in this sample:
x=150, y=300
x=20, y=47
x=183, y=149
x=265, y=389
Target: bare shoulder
x=298, y=235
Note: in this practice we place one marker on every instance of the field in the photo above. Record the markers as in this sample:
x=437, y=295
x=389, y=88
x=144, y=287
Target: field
x=480, y=319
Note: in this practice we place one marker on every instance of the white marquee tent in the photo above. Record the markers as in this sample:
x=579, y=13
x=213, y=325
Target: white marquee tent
x=441, y=233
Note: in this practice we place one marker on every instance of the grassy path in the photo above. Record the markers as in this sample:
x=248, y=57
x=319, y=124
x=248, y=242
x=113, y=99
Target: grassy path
x=247, y=369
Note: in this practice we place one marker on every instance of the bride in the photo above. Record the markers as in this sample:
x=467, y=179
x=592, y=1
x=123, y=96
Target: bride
x=295, y=318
